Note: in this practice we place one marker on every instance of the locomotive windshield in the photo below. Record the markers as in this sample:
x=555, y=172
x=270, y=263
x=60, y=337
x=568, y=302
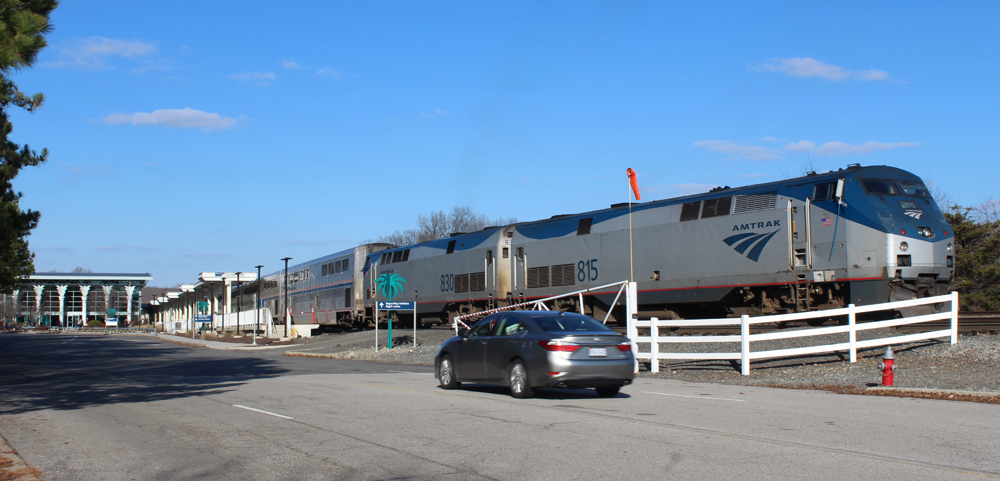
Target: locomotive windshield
x=915, y=188
x=880, y=187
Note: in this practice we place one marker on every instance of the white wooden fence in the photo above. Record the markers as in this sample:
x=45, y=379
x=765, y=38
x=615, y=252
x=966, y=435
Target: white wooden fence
x=658, y=352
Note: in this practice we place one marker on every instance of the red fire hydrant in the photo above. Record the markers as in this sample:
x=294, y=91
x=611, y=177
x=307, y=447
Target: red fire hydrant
x=887, y=366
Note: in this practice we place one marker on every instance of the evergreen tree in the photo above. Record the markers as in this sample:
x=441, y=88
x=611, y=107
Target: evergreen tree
x=23, y=25
x=977, y=258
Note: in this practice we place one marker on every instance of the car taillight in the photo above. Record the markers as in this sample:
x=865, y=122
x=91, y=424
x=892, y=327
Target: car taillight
x=625, y=347
x=559, y=346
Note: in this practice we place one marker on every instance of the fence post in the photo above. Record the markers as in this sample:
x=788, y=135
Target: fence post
x=654, y=345
x=745, y=345
x=954, y=317
x=852, y=334
x=631, y=315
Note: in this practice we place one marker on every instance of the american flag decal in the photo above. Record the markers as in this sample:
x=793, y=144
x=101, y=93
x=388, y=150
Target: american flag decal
x=825, y=221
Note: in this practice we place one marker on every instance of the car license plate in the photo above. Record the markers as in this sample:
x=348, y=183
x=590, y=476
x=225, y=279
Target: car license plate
x=598, y=352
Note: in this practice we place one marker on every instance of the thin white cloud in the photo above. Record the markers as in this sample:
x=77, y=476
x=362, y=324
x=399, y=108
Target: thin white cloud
x=801, y=146
x=330, y=72
x=288, y=64
x=810, y=67
x=843, y=148
x=94, y=53
x=738, y=151
x=434, y=113
x=186, y=118
x=256, y=78
x=770, y=139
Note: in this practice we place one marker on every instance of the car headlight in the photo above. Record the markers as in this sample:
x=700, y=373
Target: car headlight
x=903, y=246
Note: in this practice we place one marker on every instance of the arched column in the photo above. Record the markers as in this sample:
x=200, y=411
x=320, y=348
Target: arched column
x=62, y=303
x=85, y=291
x=129, y=290
x=38, y=302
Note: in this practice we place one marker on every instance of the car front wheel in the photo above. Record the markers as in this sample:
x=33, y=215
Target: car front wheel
x=446, y=374
x=518, y=377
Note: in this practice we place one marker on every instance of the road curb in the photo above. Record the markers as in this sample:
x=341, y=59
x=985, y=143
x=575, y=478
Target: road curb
x=933, y=391
x=14, y=468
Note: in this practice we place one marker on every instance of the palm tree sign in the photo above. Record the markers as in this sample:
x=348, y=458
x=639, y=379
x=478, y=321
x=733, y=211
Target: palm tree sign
x=390, y=285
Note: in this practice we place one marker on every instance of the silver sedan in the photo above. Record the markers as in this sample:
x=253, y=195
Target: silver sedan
x=537, y=349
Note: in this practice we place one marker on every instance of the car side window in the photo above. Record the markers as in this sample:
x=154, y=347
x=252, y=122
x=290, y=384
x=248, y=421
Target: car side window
x=509, y=326
x=484, y=328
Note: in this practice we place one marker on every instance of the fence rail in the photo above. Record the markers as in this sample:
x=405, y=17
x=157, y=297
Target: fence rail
x=745, y=338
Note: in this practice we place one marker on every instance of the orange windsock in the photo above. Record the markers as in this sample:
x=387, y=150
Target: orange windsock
x=634, y=181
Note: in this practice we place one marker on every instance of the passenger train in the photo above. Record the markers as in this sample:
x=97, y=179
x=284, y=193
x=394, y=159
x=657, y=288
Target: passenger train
x=860, y=235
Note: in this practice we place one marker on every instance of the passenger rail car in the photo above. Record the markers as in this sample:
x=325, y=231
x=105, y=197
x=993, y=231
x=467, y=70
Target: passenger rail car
x=321, y=291
x=859, y=235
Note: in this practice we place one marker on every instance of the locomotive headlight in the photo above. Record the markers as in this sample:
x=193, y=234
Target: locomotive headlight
x=903, y=246
x=925, y=231
x=949, y=247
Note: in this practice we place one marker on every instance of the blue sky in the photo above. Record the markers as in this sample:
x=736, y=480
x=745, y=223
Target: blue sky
x=210, y=136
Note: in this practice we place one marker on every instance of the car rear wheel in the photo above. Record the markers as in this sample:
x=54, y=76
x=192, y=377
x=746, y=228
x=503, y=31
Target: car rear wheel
x=446, y=374
x=608, y=391
x=518, y=377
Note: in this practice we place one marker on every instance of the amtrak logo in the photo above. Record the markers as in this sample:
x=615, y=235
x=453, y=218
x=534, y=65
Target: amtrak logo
x=751, y=240
x=914, y=213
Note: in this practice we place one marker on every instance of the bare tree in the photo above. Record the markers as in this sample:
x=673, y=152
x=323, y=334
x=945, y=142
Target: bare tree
x=81, y=270
x=438, y=225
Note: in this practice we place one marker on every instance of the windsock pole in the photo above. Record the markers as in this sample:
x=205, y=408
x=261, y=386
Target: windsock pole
x=634, y=187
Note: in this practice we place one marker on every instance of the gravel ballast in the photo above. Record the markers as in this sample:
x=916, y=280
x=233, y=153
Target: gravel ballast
x=968, y=369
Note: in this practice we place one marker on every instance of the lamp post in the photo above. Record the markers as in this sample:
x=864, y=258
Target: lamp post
x=256, y=305
x=288, y=309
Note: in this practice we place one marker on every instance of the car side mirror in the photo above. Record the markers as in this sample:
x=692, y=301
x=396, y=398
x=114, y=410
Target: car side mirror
x=463, y=332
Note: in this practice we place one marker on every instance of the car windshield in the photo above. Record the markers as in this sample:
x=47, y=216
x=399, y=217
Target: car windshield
x=570, y=323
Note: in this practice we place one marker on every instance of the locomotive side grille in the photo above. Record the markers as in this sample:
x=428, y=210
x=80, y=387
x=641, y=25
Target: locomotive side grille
x=538, y=277
x=563, y=275
x=477, y=281
x=755, y=202
x=690, y=211
x=716, y=207
x=462, y=283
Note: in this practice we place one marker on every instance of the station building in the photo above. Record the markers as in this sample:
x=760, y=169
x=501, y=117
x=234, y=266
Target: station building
x=73, y=299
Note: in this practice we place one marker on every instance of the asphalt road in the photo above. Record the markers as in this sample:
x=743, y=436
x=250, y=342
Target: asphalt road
x=103, y=407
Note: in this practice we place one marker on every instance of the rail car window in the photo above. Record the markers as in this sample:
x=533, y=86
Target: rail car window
x=406, y=257
x=824, y=191
x=451, y=247
x=690, y=211
x=583, y=228
x=915, y=188
x=754, y=202
x=324, y=269
x=880, y=187
x=538, y=277
x=345, y=264
x=716, y=207
x=397, y=256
